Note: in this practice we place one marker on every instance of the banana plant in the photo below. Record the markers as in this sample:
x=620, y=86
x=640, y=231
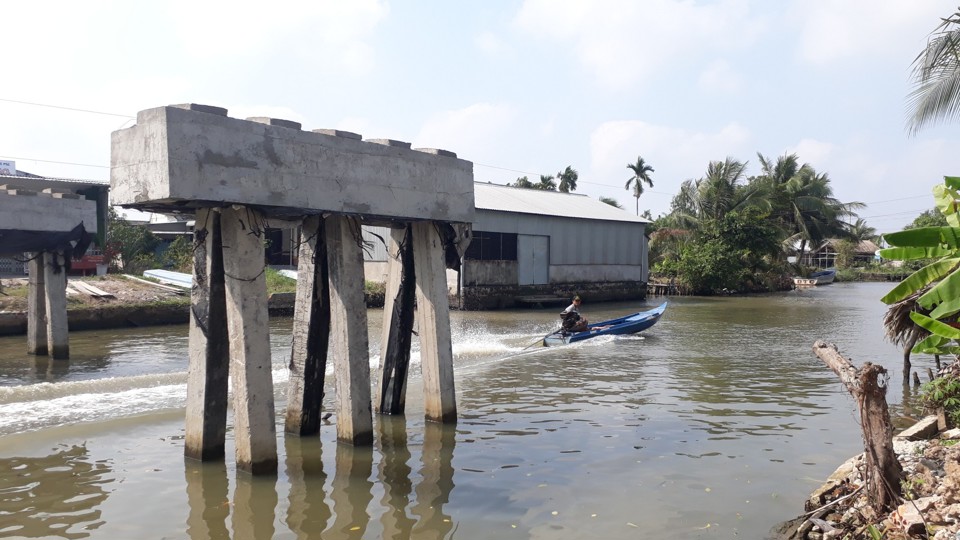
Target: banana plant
x=941, y=278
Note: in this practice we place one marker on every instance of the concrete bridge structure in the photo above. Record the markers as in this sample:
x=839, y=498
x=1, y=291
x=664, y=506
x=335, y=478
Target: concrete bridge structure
x=51, y=225
x=237, y=176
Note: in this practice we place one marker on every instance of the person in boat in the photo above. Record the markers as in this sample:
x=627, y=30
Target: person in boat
x=570, y=318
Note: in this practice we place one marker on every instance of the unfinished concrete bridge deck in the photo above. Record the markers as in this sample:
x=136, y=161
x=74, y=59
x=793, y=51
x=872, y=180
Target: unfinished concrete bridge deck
x=236, y=175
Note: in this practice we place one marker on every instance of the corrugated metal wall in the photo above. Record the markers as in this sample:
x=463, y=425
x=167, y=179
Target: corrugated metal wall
x=375, y=249
x=574, y=241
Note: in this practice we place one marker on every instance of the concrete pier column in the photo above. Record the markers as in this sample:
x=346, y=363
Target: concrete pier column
x=348, y=331
x=433, y=321
x=311, y=332
x=207, y=375
x=36, y=307
x=55, y=298
x=398, y=317
x=248, y=327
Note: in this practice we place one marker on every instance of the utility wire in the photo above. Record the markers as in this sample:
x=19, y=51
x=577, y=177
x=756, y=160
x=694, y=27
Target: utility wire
x=58, y=162
x=65, y=108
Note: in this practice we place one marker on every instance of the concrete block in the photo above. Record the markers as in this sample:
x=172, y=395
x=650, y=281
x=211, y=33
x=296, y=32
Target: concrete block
x=339, y=133
x=436, y=152
x=183, y=158
x=275, y=122
x=390, y=142
x=46, y=214
x=209, y=109
x=925, y=428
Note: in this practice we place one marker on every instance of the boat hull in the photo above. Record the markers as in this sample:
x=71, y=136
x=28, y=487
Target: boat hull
x=631, y=324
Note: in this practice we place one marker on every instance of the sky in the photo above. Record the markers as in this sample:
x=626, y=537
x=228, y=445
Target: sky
x=519, y=88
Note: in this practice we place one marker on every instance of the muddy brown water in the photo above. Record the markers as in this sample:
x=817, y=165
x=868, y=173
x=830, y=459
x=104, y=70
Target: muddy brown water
x=715, y=423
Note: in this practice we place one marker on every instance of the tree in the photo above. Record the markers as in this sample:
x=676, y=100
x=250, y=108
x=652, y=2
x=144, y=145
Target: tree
x=641, y=175
x=611, y=201
x=127, y=242
x=929, y=218
x=860, y=231
x=523, y=182
x=546, y=183
x=568, y=179
x=936, y=73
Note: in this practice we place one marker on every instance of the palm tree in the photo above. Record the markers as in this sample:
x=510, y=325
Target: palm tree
x=546, y=183
x=641, y=174
x=936, y=72
x=568, y=179
x=611, y=201
x=811, y=212
x=523, y=182
x=860, y=231
x=713, y=196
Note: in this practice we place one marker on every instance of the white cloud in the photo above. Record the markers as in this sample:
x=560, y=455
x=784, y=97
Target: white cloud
x=328, y=32
x=490, y=43
x=719, y=77
x=841, y=31
x=625, y=42
x=474, y=132
x=675, y=154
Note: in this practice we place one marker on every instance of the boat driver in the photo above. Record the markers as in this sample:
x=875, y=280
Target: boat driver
x=570, y=319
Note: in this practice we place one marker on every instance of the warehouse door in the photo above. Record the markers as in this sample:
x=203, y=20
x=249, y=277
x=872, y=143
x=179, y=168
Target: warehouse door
x=533, y=259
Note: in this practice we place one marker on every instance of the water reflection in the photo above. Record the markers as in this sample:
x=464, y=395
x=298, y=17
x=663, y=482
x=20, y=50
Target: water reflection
x=308, y=513
x=351, y=491
x=55, y=496
x=207, y=498
x=394, y=473
x=254, y=506
x=436, y=484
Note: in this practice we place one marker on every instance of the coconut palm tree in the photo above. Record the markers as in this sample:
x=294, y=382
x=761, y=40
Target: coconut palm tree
x=860, y=231
x=936, y=73
x=713, y=196
x=523, y=182
x=611, y=201
x=568, y=179
x=641, y=174
x=811, y=213
x=546, y=183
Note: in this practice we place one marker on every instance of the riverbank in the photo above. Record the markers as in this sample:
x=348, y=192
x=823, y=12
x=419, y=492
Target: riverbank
x=127, y=303
x=930, y=460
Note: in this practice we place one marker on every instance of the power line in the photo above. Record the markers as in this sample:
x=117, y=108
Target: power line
x=58, y=162
x=65, y=108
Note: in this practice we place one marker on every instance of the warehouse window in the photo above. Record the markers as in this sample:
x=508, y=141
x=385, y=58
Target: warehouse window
x=492, y=246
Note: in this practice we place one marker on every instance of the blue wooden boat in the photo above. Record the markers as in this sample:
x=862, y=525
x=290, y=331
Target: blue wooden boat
x=631, y=324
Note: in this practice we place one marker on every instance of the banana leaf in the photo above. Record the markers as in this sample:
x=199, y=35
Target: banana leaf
x=911, y=253
x=920, y=279
x=952, y=182
x=933, y=344
x=946, y=308
x=945, y=197
x=931, y=237
x=934, y=326
x=948, y=289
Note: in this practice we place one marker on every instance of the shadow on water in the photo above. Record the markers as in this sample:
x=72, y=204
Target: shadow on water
x=338, y=506
x=55, y=496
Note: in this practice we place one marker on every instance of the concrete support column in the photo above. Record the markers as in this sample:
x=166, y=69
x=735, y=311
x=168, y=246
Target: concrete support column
x=433, y=321
x=36, y=307
x=55, y=298
x=311, y=332
x=207, y=375
x=348, y=331
x=248, y=326
x=398, y=316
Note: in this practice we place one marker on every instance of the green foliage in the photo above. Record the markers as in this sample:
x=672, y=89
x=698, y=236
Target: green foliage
x=910, y=487
x=846, y=252
x=938, y=281
x=943, y=392
x=523, y=182
x=611, y=201
x=129, y=246
x=929, y=218
x=279, y=283
x=733, y=253
x=641, y=175
x=936, y=94
x=179, y=255
x=568, y=179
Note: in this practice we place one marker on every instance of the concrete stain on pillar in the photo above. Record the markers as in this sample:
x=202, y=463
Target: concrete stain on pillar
x=210, y=157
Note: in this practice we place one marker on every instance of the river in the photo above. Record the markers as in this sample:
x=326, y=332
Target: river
x=717, y=422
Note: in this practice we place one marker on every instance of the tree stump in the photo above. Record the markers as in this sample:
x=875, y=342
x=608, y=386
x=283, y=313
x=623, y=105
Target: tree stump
x=866, y=385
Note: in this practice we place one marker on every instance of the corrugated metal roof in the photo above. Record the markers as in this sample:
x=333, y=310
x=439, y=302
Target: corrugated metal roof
x=547, y=203
x=28, y=179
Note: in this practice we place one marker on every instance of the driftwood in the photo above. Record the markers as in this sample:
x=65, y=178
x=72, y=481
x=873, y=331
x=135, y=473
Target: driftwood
x=866, y=385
